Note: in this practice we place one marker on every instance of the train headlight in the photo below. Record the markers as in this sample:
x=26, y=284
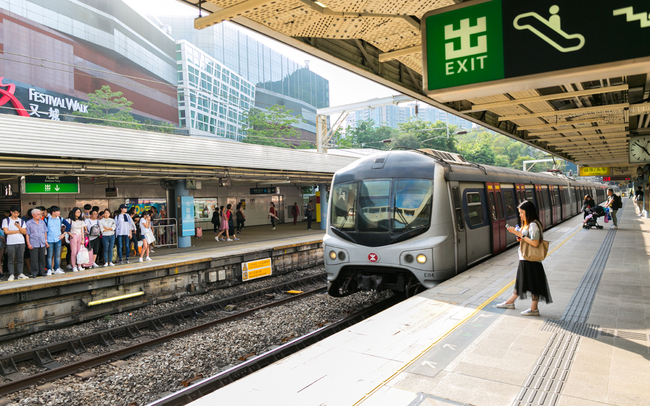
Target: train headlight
x=408, y=258
x=342, y=256
x=421, y=258
x=332, y=255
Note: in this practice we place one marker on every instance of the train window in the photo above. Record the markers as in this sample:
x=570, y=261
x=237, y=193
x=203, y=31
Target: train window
x=412, y=204
x=499, y=206
x=511, y=210
x=529, y=195
x=493, y=209
x=373, y=196
x=556, y=194
x=545, y=198
x=344, y=197
x=474, y=209
x=455, y=192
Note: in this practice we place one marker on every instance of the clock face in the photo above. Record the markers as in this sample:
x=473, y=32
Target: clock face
x=640, y=149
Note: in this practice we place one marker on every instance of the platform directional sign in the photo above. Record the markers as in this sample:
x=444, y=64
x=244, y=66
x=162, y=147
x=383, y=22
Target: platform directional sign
x=488, y=40
x=50, y=184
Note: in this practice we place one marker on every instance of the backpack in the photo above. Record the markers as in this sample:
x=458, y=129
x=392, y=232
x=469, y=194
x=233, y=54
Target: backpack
x=616, y=203
x=95, y=231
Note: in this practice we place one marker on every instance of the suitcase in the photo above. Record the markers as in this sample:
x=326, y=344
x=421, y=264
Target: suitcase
x=199, y=232
x=90, y=260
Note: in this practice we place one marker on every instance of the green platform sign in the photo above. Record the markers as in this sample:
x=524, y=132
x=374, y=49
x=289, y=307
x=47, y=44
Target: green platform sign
x=50, y=184
x=490, y=40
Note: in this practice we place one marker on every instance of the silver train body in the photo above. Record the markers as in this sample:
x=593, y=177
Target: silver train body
x=404, y=219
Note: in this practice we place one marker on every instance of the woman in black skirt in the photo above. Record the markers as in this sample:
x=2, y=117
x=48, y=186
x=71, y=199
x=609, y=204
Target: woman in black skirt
x=530, y=275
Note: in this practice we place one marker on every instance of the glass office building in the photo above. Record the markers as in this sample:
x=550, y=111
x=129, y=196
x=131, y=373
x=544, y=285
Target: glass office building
x=212, y=99
x=392, y=116
x=278, y=79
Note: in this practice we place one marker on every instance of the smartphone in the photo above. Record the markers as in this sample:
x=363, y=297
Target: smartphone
x=508, y=226
x=16, y=223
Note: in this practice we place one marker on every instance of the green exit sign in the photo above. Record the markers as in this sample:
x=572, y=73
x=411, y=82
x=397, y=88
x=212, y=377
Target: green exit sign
x=499, y=40
x=50, y=184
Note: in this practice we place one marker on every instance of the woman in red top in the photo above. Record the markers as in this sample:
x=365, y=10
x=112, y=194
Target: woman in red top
x=273, y=214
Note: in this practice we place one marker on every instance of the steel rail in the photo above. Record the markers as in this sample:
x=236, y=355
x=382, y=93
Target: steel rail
x=202, y=388
x=42, y=355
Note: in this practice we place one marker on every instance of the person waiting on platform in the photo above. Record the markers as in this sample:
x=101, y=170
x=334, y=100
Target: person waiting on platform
x=215, y=220
x=14, y=229
x=295, y=211
x=223, y=225
x=145, y=231
x=588, y=203
x=94, y=234
x=86, y=213
x=241, y=219
x=531, y=277
x=77, y=234
x=309, y=213
x=123, y=232
x=108, y=237
x=638, y=201
x=55, y=225
x=37, y=244
x=273, y=215
x=231, y=222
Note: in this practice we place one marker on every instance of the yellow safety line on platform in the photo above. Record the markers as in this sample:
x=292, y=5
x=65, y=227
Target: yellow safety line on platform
x=451, y=330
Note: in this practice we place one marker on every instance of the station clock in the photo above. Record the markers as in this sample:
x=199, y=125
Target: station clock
x=639, y=149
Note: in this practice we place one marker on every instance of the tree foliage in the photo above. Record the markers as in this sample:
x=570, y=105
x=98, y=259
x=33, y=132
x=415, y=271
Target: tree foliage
x=477, y=145
x=106, y=107
x=274, y=126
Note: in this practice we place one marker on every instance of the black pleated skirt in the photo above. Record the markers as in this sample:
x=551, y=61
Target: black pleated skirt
x=531, y=278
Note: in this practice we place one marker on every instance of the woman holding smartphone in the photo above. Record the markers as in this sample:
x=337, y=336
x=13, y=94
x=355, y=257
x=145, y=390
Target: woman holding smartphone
x=531, y=277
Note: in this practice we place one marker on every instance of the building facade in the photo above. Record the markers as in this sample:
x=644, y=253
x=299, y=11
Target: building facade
x=392, y=116
x=278, y=79
x=212, y=99
x=55, y=53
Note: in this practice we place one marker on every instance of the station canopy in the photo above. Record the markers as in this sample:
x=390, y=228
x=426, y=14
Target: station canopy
x=58, y=148
x=571, y=76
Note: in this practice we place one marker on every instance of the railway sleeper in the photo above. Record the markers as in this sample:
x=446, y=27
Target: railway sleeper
x=7, y=366
x=106, y=339
x=133, y=331
x=77, y=347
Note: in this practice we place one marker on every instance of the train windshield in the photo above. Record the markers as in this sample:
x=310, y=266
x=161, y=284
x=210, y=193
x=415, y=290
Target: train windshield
x=396, y=209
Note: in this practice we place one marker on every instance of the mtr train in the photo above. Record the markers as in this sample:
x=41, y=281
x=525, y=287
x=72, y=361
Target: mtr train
x=403, y=219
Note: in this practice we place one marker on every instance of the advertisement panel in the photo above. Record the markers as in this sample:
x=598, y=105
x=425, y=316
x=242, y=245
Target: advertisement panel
x=187, y=216
x=594, y=171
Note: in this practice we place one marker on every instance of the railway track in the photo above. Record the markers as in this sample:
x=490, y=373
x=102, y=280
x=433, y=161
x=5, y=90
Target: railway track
x=43, y=356
x=201, y=387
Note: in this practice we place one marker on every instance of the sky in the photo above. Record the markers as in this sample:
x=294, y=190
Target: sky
x=345, y=87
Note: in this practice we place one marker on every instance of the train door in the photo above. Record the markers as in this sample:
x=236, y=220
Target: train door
x=497, y=219
x=541, y=207
x=579, y=197
x=461, y=234
x=563, y=202
x=510, y=210
x=520, y=193
x=477, y=221
x=548, y=217
x=557, y=204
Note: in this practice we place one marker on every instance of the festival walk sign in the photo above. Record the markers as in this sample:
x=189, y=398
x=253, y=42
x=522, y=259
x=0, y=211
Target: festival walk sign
x=500, y=41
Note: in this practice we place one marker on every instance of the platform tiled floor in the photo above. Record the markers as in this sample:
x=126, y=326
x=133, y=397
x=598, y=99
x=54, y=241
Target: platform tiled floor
x=439, y=348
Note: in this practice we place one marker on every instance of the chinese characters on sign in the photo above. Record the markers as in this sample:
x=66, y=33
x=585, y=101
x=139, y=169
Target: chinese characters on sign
x=256, y=269
x=50, y=184
x=187, y=216
x=590, y=171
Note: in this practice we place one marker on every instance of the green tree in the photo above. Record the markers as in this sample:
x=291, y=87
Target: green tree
x=430, y=135
x=366, y=135
x=480, y=151
x=110, y=108
x=274, y=127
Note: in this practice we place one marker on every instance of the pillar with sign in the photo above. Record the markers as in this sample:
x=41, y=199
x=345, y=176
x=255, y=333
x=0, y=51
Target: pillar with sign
x=184, y=215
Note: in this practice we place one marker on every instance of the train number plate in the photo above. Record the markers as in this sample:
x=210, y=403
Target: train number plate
x=372, y=257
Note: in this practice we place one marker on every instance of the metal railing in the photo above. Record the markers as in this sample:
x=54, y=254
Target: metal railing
x=166, y=232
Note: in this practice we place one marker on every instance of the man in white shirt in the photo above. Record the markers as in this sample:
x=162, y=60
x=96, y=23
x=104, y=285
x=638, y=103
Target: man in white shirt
x=15, y=229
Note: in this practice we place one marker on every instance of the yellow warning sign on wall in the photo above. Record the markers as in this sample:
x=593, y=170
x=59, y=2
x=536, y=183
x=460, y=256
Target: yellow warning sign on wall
x=256, y=269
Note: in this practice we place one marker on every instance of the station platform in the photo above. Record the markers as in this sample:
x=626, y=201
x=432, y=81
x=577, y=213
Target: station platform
x=253, y=239
x=450, y=345
x=31, y=305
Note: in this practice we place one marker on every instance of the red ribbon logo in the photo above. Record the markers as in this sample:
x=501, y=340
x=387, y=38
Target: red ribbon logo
x=8, y=95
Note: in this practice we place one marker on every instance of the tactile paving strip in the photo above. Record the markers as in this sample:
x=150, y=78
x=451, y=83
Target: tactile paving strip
x=547, y=378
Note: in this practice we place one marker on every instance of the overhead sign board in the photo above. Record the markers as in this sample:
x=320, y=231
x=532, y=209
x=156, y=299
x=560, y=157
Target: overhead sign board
x=615, y=178
x=594, y=171
x=263, y=190
x=491, y=40
x=256, y=269
x=50, y=184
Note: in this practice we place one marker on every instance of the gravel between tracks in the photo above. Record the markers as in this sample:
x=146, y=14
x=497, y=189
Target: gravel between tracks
x=149, y=376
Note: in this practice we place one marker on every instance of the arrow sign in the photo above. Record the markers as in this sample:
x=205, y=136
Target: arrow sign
x=430, y=364
x=57, y=188
x=450, y=346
